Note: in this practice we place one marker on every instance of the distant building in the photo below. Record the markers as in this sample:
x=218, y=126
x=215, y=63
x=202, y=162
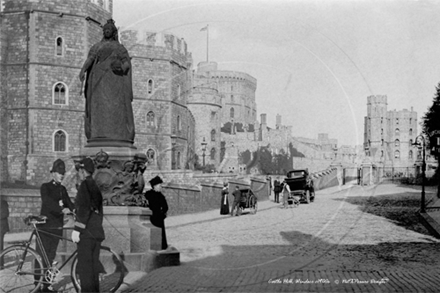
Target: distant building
x=389, y=135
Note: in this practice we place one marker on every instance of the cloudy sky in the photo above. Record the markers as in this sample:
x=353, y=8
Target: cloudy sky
x=315, y=62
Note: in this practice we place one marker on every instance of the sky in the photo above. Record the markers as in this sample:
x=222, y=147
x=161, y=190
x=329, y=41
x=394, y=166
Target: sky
x=315, y=62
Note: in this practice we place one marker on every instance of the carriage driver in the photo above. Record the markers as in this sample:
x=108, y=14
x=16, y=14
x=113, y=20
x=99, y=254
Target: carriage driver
x=237, y=198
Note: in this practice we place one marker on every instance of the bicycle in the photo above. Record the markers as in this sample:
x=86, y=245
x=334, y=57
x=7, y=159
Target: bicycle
x=22, y=269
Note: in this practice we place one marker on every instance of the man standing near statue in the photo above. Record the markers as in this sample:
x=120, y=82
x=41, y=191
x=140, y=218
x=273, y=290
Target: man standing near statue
x=108, y=91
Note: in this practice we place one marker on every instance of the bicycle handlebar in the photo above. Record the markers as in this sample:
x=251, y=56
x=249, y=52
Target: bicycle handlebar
x=31, y=219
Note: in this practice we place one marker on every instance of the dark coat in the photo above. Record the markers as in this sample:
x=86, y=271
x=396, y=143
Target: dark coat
x=89, y=210
x=51, y=194
x=237, y=195
x=4, y=225
x=158, y=205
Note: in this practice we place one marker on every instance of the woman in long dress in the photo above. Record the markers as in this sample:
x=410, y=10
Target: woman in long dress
x=224, y=207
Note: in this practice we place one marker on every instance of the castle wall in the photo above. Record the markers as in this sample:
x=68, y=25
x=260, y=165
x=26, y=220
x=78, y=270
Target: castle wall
x=163, y=59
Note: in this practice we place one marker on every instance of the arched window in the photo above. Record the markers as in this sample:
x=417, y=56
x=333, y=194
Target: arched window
x=213, y=154
x=410, y=154
x=150, y=86
x=410, y=131
x=178, y=160
x=410, y=142
x=150, y=119
x=381, y=142
x=59, y=44
x=381, y=131
x=381, y=154
x=397, y=121
x=396, y=143
x=151, y=154
x=397, y=131
x=231, y=113
x=213, y=135
x=60, y=141
x=60, y=94
x=179, y=123
x=396, y=154
x=232, y=99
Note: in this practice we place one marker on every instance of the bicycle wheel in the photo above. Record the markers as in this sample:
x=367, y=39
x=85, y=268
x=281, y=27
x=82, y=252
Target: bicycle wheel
x=18, y=269
x=113, y=271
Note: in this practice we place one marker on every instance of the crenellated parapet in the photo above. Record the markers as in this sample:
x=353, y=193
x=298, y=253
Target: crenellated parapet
x=156, y=46
x=231, y=76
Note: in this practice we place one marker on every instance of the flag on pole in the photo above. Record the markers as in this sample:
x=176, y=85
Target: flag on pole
x=204, y=28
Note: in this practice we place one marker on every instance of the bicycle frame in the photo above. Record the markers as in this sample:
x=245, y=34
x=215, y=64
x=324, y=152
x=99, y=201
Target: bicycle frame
x=27, y=244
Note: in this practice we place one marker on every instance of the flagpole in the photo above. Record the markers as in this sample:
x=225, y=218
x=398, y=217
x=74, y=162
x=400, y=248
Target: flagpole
x=207, y=43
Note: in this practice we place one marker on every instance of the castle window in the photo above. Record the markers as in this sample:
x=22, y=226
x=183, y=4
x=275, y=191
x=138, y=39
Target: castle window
x=178, y=160
x=59, y=94
x=410, y=142
x=381, y=120
x=213, y=154
x=151, y=154
x=60, y=141
x=381, y=142
x=396, y=143
x=213, y=135
x=212, y=115
x=179, y=124
x=397, y=131
x=150, y=119
x=105, y=5
x=381, y=131
x=410, y=132
x=410, y=121
x=397, y=120
x=59, y=46
x=231, y=113
x=232, y=99
x=410, y=155
x=150, y=86
x=381, y=154
x=397, y=155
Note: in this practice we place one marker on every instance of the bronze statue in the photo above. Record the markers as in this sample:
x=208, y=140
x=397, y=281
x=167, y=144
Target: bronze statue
x=108, y=91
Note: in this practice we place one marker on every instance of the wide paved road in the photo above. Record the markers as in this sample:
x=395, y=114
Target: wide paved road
x=351, y=240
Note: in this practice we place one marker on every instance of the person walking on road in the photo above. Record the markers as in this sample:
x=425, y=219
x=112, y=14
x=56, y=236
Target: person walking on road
x=237, y=198
x=88, y=231
x=159, y=206
x=224, y=205
x=277, y=190
x=55, y=203
x=286, y=193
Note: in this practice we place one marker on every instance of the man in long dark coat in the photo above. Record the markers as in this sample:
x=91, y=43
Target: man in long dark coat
x=158, y=205
x=55, y=202
x=88, y=231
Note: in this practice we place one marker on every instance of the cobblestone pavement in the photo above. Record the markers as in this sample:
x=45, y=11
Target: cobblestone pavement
x=352, y=240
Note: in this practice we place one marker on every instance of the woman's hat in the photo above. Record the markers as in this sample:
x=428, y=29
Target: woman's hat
x=58, y=166
x=156, y=180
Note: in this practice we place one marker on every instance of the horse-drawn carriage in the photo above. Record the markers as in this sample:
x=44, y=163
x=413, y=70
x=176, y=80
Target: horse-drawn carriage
x=248, y=200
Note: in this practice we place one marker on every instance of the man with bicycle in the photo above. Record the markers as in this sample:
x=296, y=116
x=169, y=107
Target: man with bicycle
x=55, y=203
x=88, y=231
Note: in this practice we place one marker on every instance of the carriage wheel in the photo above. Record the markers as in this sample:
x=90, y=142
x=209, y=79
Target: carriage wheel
x=255, y=208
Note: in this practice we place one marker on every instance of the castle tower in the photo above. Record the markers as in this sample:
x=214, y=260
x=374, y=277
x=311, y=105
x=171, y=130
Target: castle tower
x=161, y=85
x=375, y=125
x=44, y=44
x=205, y=103
x=278, y=121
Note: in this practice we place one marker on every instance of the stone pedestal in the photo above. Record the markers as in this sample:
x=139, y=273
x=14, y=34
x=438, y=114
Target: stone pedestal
x=129, y=233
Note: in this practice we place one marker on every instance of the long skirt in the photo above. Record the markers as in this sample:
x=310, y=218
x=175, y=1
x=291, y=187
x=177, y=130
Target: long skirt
x=224, y=209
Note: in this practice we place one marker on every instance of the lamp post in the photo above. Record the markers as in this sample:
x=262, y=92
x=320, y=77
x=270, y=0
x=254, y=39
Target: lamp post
x=422, y=144
x=204, y=143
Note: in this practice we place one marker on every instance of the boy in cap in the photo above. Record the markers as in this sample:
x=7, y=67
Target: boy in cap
x=88, y=231
x=55, y=203
x=158, y=205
